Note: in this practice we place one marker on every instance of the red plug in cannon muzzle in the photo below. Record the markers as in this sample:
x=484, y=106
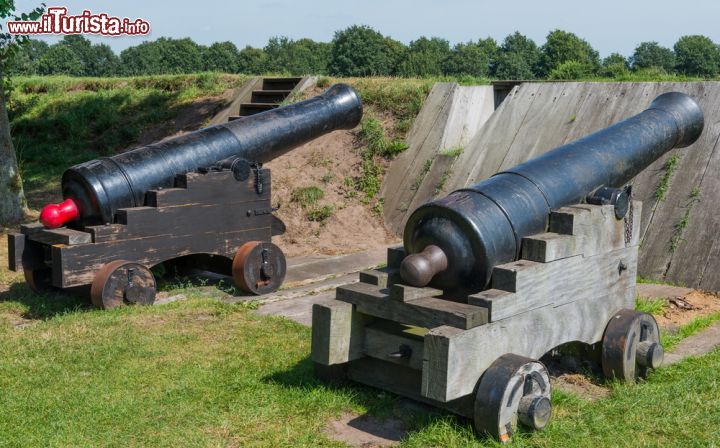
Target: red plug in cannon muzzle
x=53, y=216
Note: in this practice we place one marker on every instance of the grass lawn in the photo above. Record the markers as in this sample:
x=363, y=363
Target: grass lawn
x=203, y=373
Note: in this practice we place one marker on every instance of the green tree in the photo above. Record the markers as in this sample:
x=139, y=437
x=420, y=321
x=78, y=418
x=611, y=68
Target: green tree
x=562, y=46
x=518, y=58
x=163, y=56
x=221, y=57
x=95, y=60
x=25, y=60
x=425, y=57
x=651, y=54
x=395, y=51
x=697, y=56
x=60, y=60
x=615, y=59
x=297, y=57
x=361, y=51
x=12, y=195
x=252, y=61
x=614, y=66
x=473, y=58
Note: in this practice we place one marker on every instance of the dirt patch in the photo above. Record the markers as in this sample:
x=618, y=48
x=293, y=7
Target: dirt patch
x=681, y=310
x=366, y=431
x=580, y=385
x=333, y=164
x=581, y=377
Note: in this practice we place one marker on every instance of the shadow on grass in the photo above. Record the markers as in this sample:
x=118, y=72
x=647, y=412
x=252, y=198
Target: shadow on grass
x=384, y=409
x=46, y=305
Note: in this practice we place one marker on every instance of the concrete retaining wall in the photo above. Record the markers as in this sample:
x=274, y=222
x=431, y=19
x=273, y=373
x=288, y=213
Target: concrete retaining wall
x=450, y=117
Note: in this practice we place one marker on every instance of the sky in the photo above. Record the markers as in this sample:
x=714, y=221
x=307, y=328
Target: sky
x=609, y=25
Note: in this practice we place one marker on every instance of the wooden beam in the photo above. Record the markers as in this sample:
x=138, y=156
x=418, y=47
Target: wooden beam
x=337, y=333
x=426, y=312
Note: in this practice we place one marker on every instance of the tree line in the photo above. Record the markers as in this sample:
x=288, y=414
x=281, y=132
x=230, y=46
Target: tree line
x=363, y=51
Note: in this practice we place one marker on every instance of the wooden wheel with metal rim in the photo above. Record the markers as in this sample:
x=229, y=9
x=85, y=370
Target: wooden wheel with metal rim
x=631, y=346
x=512, y=389
x=123, y=282
x=259, y=267
x=39, y=280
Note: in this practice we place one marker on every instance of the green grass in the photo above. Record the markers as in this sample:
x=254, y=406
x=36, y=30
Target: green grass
x=307, y=196
x=694, y=326
x=680, y=226
x=641, y=279
x=61, y=121
x=320, y=214
x=202, y=373
x=650, y=305
x=453, y=152
x=669, y=169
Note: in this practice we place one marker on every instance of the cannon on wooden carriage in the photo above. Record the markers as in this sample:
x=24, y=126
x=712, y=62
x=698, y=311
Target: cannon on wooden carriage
x=202, y=198
x=492, y=277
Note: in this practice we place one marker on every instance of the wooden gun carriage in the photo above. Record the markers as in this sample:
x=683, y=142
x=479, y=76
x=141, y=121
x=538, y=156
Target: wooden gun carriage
x=477, y=355
x=211, y=219
x=493, y=276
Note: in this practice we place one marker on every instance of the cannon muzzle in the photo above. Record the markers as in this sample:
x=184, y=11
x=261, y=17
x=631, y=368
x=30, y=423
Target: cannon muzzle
x=454, y=243
x=97, y=189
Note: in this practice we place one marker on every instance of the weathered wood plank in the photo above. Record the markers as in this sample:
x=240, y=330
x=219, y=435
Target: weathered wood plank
x=405, y=293
x=337, y=333
x=77, y=265
x=395, y=256
x=424, y=140
x=381, y=344
x=457, y=359
x=16, y=247
x=375, y=277
x=31, y=228
x=402, y=381
x=214, y=187
x=547, y=247
x=427, y=312
x=535, y=284
x=62, y=235
x=602, y=232
x=487, y=150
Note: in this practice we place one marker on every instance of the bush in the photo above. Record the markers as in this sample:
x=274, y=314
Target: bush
x=572, y=70
x=321, y=214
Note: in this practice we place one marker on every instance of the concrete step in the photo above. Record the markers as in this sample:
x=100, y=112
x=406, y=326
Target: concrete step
x=269, y=96
x=247, y=109
x=280, y=83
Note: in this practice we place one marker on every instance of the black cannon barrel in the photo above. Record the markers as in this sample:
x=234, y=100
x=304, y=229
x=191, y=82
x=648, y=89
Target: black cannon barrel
x=100, y=187
x=455, y=242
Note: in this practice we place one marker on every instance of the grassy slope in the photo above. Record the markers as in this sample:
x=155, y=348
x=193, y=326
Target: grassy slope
x=61, y=121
